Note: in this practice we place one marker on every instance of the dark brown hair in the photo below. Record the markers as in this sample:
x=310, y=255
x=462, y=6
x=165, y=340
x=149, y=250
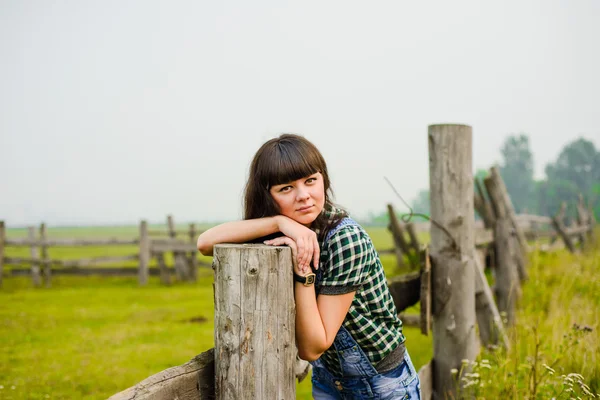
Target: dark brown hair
x=281, y=160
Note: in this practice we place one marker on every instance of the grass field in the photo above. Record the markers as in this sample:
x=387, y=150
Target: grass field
x=90, y=337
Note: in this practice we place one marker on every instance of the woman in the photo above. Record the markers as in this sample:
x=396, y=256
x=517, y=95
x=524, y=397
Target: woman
x=346, y=322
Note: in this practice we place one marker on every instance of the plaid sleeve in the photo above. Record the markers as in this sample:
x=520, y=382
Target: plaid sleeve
x=348, y=261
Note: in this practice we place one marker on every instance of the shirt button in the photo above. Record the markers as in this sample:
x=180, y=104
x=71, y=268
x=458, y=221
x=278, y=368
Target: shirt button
x=338, y=385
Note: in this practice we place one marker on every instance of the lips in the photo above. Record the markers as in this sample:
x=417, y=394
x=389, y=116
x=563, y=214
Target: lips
x=304, y=208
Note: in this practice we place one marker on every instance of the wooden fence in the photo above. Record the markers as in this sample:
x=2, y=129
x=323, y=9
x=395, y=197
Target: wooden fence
x=450, y=285
x=150, y=244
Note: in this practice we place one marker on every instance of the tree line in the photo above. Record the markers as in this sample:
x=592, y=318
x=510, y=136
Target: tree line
x=575, y=171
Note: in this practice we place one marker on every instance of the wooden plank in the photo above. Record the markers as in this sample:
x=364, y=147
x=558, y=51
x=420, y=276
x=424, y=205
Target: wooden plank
x=510, y=210
x=46, y=268
x=178, y=255
x=426, y=380
x=451, y=251
x=491, y=327
x=507, y=278
x=193, y=380
x=165, y=276
x=192, y=260
x=484, y=237
x=425, y=295
x=576, y=230
x=88, y=271
x=35, y=259
x=398, y=235
x=414, y=240
x=174, y=246
x=413, y=320
x=254, y=322
x=81, y=262
x=534, y=218
x=144, y=255
x=71, y=242
x=405, y=290
x=562, y=232
x=2, y=241
x=486, y=214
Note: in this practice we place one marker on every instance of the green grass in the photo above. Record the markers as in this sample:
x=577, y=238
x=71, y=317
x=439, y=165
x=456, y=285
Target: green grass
x=91, y=337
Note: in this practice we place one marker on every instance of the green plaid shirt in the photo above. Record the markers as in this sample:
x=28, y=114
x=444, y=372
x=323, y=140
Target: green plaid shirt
x=351, y=263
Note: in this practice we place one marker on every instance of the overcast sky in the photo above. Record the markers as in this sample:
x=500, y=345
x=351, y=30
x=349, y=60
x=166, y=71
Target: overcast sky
x=113, y=111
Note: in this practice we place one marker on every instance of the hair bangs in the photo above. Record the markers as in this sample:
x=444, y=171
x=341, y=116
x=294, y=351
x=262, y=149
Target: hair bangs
x=290, y=163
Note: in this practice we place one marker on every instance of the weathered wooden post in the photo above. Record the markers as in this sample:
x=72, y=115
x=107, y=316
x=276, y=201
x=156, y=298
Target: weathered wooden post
x=507, y=277
x=46, y=268
x=35, y=262
x=491, y=327
x=144, y=256
x=583, y=219
x=165, y=277
x=193, y=259
x=2, y=240
x=400, y=245
x=255, y=347
x=414, y=239
x=178, y=257
x=561, y=230
x=510, y=210
x=452, y=248
x=486, y=214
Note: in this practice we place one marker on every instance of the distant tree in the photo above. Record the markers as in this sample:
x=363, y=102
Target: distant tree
x=579, y=163
x=517, y=170
x=576, y=170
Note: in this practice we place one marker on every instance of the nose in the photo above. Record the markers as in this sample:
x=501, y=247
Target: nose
x=302, y=194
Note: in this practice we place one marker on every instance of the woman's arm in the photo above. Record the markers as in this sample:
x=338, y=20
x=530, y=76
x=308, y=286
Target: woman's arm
x=317, y=320
x=236, y=232
x=305, y=251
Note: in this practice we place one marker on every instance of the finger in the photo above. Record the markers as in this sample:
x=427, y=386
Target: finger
x=301, y=251
x=317, y=254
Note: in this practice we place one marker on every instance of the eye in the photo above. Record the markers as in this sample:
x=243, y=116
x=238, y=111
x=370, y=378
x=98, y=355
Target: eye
x=285, y=189
x=311, y=179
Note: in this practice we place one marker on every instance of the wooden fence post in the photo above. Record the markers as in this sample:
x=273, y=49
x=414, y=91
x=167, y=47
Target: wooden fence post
x=144, y=255
x=35, y=263
x=521, y=251
x=2, y=239
x=165, y=277
x=400, y=245
x=486, y=213
x=583, y=219
x=193, y=258
x=510, y=210
x=255, y=347
x=507, y=277
x=414, y=239
x=491, y=327
x=561, y=230
x=178, y=257
x=46, y=267
x=452, y=247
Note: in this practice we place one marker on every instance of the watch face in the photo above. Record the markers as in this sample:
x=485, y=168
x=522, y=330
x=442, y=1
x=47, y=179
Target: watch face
x=310, y=279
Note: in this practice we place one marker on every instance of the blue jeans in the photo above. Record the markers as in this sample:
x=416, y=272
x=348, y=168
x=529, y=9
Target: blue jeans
x=361, y=380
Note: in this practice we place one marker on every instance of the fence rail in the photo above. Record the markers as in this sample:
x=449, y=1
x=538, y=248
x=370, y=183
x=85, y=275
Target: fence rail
x=42, y=267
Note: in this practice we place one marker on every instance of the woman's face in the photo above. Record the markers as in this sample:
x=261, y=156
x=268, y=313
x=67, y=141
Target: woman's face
x=301, y=200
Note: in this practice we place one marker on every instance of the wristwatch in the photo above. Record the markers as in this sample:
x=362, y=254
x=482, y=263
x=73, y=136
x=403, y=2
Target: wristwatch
x=306, y=280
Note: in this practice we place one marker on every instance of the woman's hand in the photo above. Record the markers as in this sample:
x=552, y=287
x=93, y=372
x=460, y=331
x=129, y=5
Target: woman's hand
x=286, y=241
x=305, y=240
